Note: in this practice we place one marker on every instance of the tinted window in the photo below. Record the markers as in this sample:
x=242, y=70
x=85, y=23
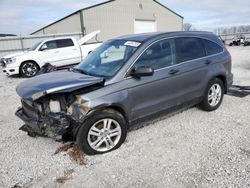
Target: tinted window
x=64, y=43
x=159, y=55
x=188, y=48
x=211, y=47
x=51, y=44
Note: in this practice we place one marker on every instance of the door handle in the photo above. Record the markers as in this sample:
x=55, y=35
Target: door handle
x=173, y=71
x=56, y=52
x=208, y=62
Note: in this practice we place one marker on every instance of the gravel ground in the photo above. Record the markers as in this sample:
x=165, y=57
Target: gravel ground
x=189, y=149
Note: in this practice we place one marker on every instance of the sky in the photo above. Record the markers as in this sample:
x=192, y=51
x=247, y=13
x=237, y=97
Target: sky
x=22, y=17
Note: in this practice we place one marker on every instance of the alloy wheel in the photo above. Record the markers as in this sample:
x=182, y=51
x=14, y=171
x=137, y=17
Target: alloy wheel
x=104, y=135
x=29, y=69
x=214, y=94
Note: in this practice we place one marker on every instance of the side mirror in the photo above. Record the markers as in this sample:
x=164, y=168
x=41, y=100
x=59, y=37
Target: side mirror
x=44, y=47
x=142, y=71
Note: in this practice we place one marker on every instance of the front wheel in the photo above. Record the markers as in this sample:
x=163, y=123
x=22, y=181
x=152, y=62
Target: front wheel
x=102, y=132
x=213, y=96
x=29, y=69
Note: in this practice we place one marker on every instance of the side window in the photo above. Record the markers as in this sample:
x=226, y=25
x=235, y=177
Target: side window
x=50, y=44
x=64, y=43
x=159, y=55
x=211, y=47
x=189, y=48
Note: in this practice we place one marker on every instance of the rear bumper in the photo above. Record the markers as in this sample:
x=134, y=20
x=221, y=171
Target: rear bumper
x=229, y=80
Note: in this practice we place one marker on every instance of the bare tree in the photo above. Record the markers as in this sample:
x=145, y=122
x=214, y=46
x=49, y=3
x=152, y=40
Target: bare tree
x=187, y=26
x=232, y=30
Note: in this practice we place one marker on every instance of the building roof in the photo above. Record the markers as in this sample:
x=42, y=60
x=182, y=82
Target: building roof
x=99, y=4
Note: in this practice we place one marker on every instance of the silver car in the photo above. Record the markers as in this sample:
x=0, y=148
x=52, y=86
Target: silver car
x=125, y=81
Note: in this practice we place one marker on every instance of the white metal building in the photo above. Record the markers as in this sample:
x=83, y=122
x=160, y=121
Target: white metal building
x=118, y=17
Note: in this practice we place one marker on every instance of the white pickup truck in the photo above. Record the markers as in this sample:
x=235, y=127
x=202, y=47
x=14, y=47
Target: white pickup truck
x=58, y=51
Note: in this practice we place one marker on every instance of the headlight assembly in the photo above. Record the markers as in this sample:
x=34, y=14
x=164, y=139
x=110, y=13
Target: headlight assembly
x=10, y=60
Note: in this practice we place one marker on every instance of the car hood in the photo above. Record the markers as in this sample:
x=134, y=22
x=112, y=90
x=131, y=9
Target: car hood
x=55, y=82
x=15, y=54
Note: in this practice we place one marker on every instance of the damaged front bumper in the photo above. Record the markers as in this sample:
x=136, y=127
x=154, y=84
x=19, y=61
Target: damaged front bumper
x=44, y=119
x=53, y=126
x=31, y=124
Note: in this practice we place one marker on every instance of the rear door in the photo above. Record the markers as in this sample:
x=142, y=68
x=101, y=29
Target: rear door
x=67, y=52
x=192, y=66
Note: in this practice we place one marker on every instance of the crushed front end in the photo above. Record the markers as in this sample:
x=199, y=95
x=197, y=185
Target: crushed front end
x=52, y=116
x=55, y=109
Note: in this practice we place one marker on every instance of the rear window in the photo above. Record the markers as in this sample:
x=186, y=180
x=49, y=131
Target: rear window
x=211, y=47
x=188, y=48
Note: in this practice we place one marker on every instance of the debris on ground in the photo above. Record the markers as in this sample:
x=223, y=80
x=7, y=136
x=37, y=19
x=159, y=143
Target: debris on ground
x=77, y=155
x=64, y=148
x=17, y=185
x=67, y=176
x=74, y=152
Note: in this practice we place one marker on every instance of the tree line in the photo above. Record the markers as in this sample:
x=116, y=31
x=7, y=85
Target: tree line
x=221, y=30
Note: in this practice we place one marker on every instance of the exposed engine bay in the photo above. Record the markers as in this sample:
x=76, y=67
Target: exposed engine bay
x=56, y=114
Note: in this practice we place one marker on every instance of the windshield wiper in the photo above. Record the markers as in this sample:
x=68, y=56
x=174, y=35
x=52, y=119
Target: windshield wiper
x=86, y=73
x=80, y=71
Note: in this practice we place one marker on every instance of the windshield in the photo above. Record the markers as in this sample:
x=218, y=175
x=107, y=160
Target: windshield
x=35, y=46
x=107, y=60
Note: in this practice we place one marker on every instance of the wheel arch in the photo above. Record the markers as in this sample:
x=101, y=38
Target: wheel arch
x=113, y=107
x=29, y=61
x=224, y=81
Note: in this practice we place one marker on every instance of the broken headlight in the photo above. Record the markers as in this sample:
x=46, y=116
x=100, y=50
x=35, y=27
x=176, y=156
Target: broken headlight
x=54, y=106
x=79, y=108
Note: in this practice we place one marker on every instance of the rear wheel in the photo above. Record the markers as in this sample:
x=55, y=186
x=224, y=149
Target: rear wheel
x=213, y=96
x=29, y=69
x=102, y=132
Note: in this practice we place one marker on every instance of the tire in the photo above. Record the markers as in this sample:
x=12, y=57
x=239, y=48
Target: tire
x=28, y=69
x=93, y=130
x=212, y=101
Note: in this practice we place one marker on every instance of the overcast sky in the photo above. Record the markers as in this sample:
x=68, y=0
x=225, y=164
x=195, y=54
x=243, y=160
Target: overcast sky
x=25, y=16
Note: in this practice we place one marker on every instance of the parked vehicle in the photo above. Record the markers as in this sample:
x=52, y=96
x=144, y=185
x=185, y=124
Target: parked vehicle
x=58, y=52
x=238, y=40
x=247, y=42
x=126, y=80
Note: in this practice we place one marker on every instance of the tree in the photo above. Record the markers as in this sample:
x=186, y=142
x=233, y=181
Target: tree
x=187, y=26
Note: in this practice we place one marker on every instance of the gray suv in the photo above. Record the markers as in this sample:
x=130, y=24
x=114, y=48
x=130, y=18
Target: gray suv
x=122, y=82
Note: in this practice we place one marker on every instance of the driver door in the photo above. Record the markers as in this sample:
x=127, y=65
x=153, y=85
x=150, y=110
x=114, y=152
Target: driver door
x=157, y=92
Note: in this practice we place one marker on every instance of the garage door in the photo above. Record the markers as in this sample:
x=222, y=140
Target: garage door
x=144, y=26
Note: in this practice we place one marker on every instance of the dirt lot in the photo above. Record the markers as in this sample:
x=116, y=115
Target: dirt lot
x=189, y=149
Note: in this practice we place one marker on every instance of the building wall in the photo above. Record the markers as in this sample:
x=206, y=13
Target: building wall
x=117, y=18
x=70, y=24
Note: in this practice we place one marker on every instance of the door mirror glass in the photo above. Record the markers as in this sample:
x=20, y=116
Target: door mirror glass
x=142, y=71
